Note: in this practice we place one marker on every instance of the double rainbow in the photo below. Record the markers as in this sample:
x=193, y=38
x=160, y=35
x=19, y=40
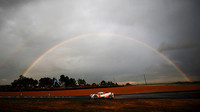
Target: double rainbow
x=112, y=34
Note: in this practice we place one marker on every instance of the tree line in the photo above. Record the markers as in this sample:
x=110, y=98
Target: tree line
x=46, y=82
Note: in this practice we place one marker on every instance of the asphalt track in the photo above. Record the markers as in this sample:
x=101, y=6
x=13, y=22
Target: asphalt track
x=157, y=95
x=162, y=95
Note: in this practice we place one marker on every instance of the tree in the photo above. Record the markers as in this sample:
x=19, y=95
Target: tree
x=46, y=82
x=110, y=83
x=94, y=84
x=64, y=80
x=128, y=84
x=81, y=82
x=72, y=82
x=24, y=82
x=103, y=83
x=67, y=81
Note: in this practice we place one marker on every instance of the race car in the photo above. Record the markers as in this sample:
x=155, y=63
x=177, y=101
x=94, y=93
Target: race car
x=101, y=95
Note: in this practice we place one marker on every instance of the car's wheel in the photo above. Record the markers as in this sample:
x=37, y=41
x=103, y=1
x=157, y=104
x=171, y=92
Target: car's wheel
x=110, y=97
x=95, y=97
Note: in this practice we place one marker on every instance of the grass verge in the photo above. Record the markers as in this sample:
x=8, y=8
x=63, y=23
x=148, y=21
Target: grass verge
x=165, y=105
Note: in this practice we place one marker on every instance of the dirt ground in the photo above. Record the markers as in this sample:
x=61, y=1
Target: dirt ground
x=116, y=90
x=166, y=105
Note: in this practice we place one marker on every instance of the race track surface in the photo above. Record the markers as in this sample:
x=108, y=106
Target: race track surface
x=156, y=95
x=162, y=95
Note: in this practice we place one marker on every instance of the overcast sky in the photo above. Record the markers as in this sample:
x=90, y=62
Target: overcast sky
x=28, y=28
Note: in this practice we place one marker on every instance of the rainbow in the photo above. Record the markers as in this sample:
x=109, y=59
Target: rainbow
x=112, y=34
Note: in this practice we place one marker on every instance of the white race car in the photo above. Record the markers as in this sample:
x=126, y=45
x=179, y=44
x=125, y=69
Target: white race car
x=100, y=95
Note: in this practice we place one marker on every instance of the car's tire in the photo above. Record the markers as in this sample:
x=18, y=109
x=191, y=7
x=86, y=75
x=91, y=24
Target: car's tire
x=95, y=97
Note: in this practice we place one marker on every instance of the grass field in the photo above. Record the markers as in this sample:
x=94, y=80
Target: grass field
x=167, y=105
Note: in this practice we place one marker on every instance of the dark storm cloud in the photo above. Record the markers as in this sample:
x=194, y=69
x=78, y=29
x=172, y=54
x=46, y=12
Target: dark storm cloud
x=8, y=8
x=172, y=26
x=182, y=22
x=188, y=60
x=11, y=3
x=179, y=45
x=183, y=44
